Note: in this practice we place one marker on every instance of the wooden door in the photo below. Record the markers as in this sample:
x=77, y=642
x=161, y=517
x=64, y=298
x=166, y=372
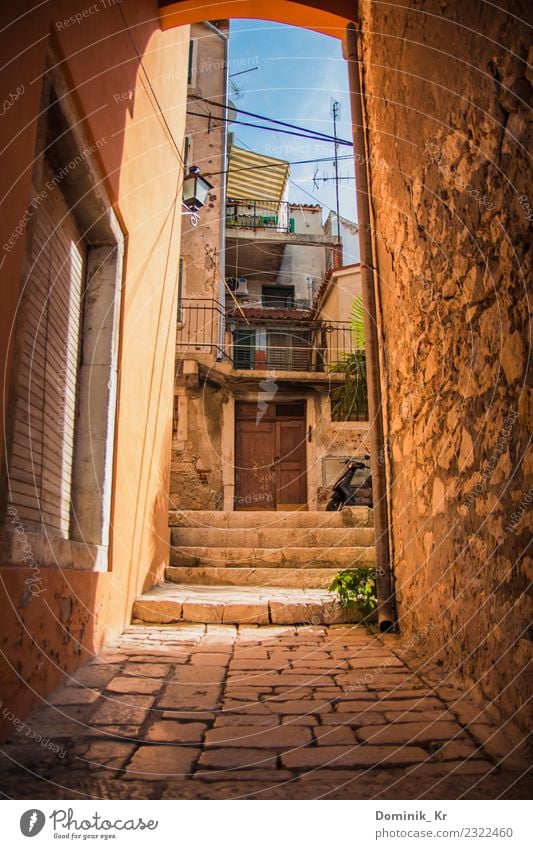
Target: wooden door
x=255, y=476
x=291, y=484
x=270, y=456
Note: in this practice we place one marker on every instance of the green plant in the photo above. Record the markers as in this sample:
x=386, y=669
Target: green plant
x=357, y=321
x=356, y=586
x=350, y=400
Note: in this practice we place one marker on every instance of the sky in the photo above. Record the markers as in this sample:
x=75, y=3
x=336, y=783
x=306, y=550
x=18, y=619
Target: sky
x=299, y=73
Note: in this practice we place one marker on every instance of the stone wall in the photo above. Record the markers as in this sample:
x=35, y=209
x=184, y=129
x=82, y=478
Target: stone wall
x=201, y=245
x=333, y=440
x=196, y=468
x=448, y=98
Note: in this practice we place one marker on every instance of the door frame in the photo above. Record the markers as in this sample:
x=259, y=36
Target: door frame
x=229, y=444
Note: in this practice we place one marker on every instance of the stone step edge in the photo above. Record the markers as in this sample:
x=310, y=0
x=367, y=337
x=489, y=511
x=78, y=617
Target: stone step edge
x=251, y=538
x=286, y=550
x=276, y=577
x=245, y=613
x=356, y=517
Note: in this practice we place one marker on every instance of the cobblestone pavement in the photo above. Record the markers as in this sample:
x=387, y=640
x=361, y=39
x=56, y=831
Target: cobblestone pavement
x=195, y=711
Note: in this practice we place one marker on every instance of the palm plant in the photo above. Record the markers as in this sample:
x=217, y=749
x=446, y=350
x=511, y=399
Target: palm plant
x=351, y=397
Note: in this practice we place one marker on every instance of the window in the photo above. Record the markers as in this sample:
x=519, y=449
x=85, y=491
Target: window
x=187, y=152
x=59, y=472
x=278, y=296
x=289, y=350
x=244, y=348
x=42, y=452
x=180, y=289
x=191, y=72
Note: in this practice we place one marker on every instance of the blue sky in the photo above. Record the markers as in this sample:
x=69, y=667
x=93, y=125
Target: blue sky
x=299, y=73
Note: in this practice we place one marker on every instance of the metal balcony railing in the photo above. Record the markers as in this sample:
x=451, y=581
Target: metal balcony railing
x=264, y=343
x=251, y=214
x=201, y=326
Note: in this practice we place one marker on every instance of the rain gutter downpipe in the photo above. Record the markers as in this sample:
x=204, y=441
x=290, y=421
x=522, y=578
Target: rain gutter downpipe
x=385, y=599
x=223, y=166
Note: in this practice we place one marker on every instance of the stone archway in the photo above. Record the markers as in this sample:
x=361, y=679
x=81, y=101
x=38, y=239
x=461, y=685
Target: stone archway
x=329, y=18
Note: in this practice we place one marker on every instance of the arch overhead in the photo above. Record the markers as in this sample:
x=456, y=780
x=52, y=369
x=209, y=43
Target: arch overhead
x=326, y=16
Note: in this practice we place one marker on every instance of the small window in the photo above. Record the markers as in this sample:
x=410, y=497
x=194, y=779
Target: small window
x=278, y=296
x=180, y=288
x=291, y=411
x=191, y=72
x=244, y=348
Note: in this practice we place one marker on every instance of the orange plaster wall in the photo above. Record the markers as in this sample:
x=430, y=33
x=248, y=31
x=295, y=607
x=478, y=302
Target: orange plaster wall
x=75, y=612
x=327, y=16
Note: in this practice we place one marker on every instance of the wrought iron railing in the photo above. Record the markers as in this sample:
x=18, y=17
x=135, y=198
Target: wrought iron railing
x=265, y=343
x=251, y=214
x=201, y=326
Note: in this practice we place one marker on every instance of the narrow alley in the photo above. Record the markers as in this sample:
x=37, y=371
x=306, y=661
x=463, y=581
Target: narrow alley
x=279, y=712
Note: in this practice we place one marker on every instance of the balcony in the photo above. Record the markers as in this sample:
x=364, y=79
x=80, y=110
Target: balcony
x=264, y=340
x=251, y=214
x=257, y=233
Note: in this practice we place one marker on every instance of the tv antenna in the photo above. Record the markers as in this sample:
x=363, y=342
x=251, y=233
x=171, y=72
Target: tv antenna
x=336, y=114
x=235, y=90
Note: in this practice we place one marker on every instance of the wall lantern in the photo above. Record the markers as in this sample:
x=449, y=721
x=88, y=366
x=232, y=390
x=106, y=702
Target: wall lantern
x=195, y=191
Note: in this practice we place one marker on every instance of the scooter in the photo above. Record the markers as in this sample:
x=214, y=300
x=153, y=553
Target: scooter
x=346, y=492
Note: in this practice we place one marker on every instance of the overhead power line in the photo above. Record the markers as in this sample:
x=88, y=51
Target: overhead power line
x=270, y=129
x=277, y=165
x=323, y=136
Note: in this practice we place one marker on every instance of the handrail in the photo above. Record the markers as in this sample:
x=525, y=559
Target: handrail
x=264, y=342
x=257, y=214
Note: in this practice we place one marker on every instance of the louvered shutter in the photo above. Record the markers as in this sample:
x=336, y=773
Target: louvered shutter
x=43, y=442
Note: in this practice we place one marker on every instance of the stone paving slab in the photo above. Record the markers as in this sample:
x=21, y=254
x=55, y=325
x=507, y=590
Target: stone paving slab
x=170, y=712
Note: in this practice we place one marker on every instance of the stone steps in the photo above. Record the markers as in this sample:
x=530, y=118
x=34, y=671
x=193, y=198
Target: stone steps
x=271, y=538
x=276, y=576
x=258, y=567
x=285, y=557
x=348, y=518
x=258, y=605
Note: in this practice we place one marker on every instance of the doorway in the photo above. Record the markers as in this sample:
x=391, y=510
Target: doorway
x=270, y=456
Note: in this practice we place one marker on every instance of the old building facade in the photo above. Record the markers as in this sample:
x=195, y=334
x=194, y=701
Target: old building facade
x=255, y=370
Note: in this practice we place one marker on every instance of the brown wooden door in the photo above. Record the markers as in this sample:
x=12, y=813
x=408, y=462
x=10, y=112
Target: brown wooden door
x=255, y=476
x=270, y=458
x=291, y=485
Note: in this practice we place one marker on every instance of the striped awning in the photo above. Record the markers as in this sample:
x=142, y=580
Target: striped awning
x=252, y=175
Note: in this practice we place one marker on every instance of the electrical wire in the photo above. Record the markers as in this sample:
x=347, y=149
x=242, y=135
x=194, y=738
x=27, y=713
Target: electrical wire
x=297, y=185
x=159, y=110
x=277, y=165
x=324, y=136
x=270, y=129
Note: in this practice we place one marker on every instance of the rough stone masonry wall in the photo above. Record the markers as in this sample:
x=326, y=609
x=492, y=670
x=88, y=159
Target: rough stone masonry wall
x=448, y=100
x=196, y=464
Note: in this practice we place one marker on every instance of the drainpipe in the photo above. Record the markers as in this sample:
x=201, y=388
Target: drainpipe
x=385, y=601
x=223, y=168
